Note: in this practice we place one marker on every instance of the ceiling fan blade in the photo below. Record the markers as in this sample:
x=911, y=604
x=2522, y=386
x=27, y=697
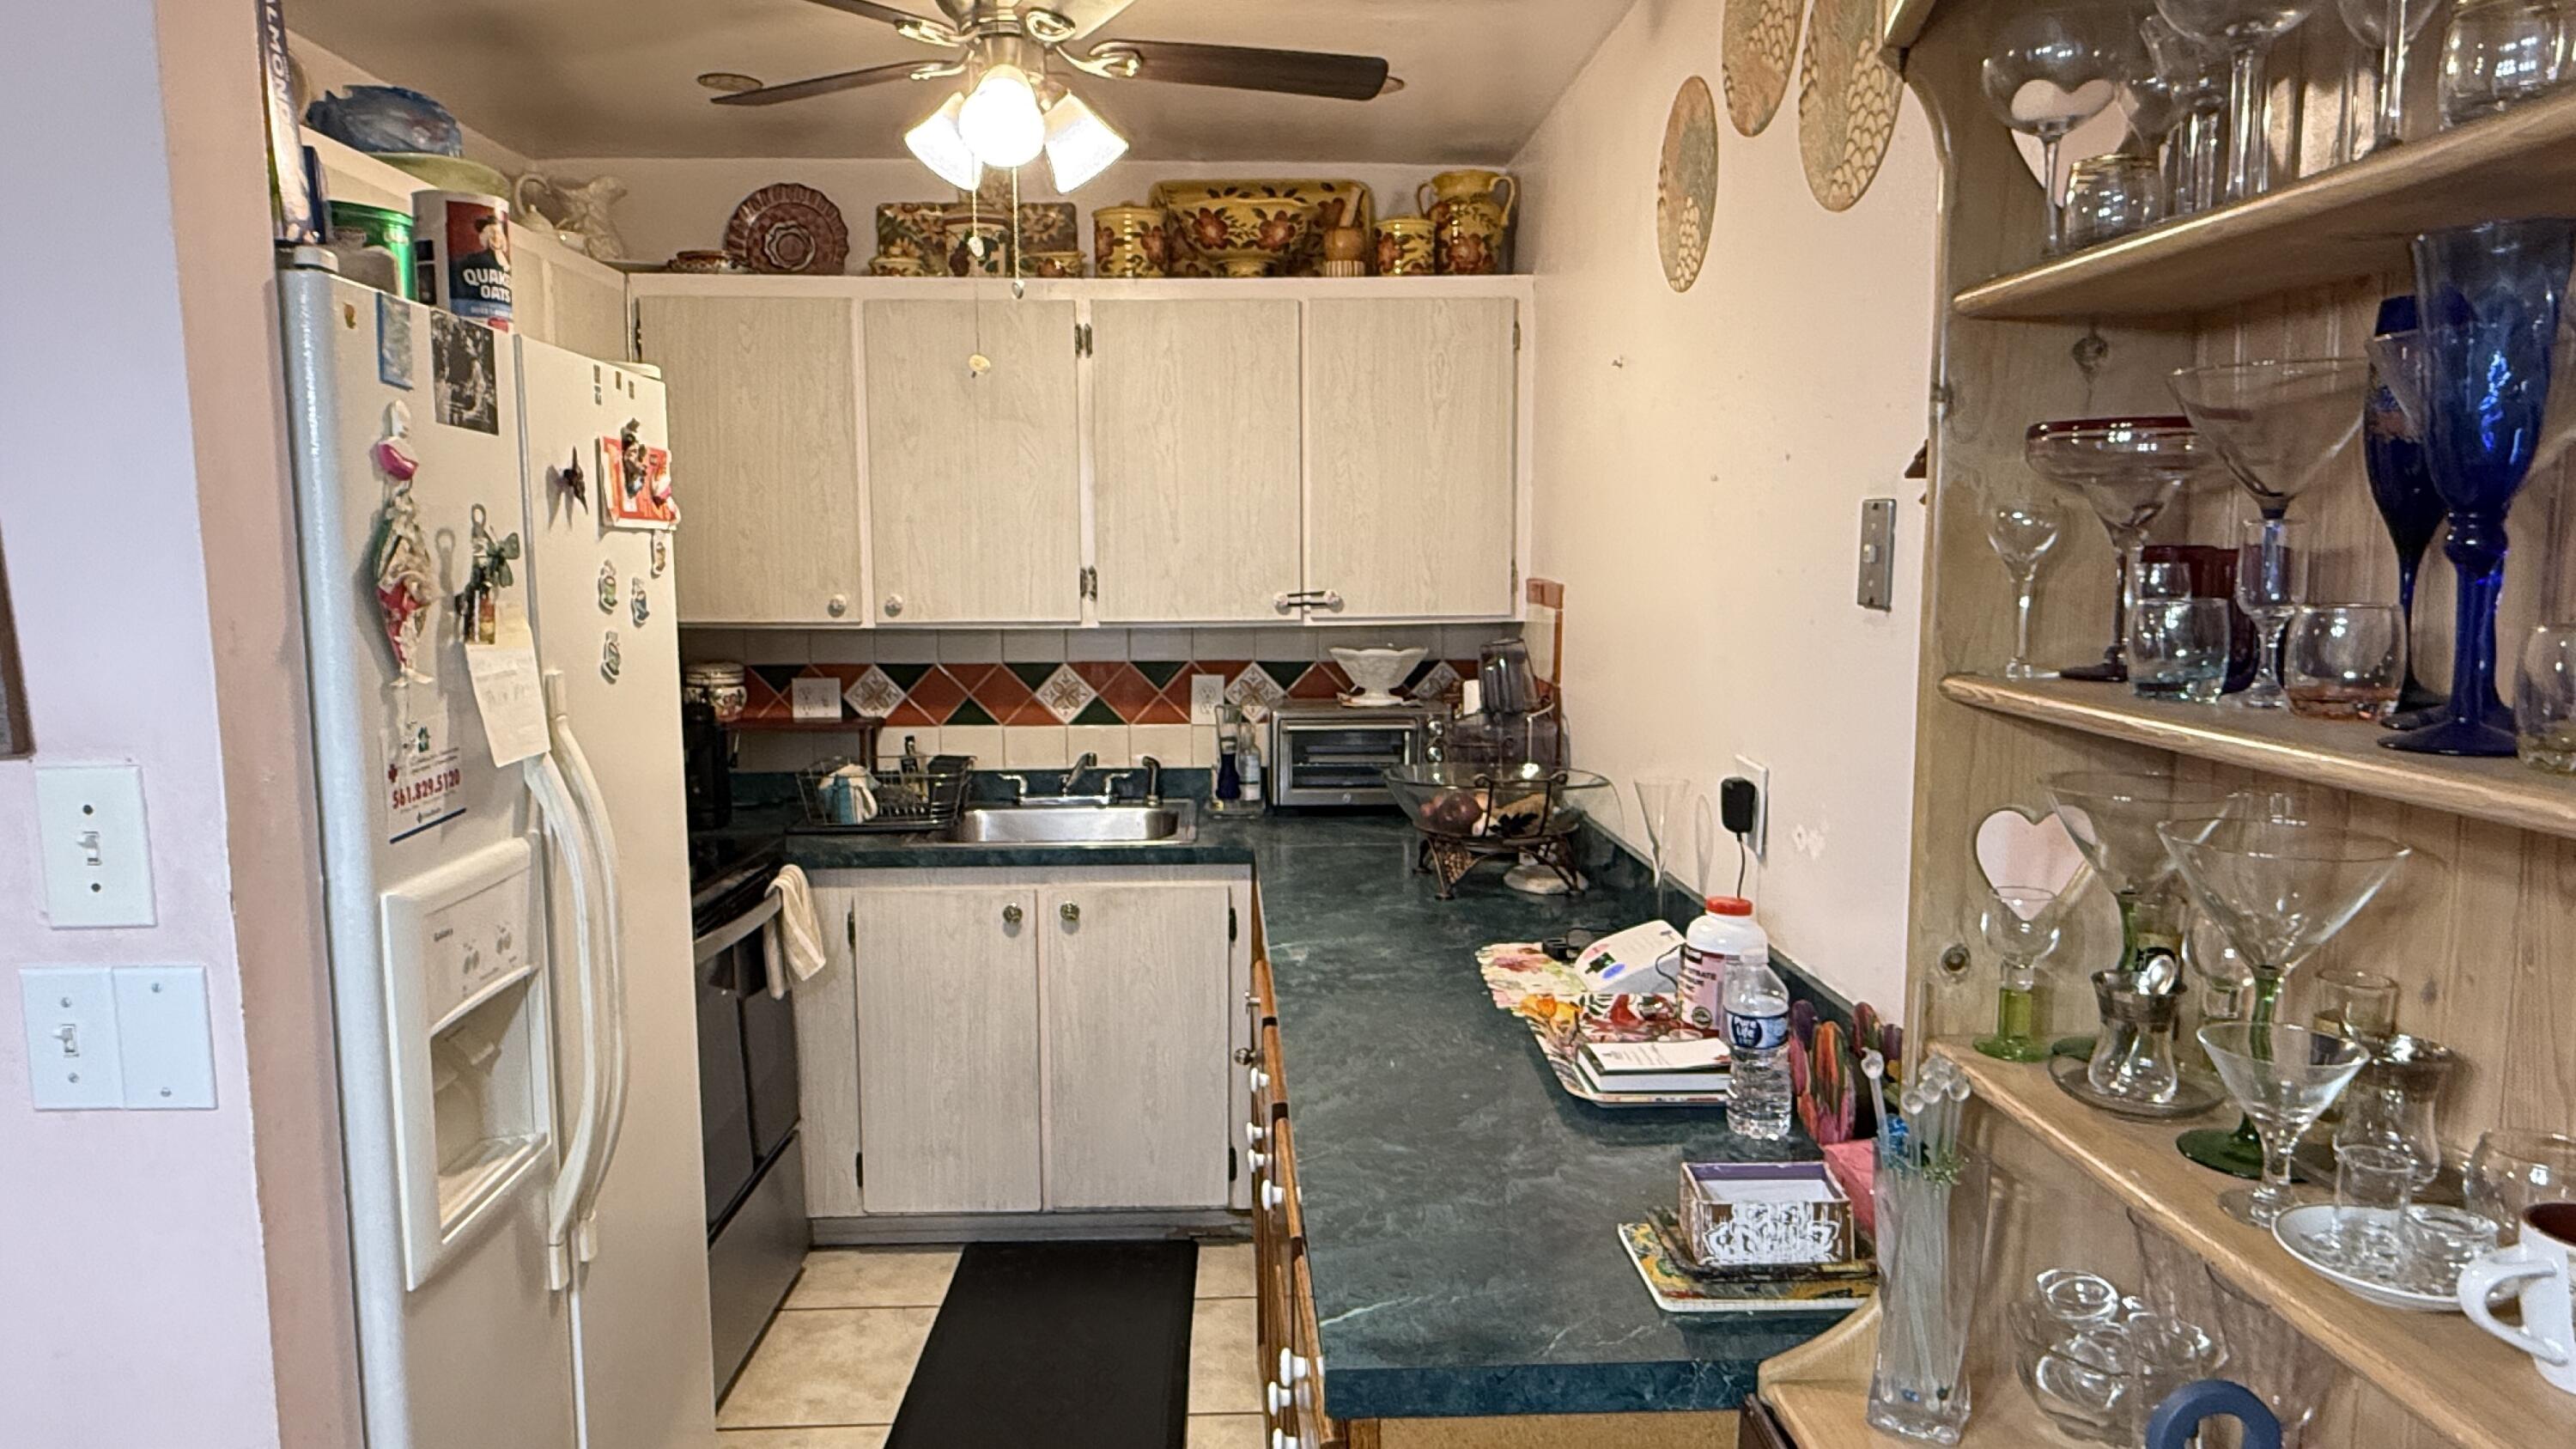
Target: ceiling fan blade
x=821, y=85
x=869, y=9
x=1293, y=72
x=1086, y=16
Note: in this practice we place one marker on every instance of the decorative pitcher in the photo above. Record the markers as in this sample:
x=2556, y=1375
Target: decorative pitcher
x=1471, y=220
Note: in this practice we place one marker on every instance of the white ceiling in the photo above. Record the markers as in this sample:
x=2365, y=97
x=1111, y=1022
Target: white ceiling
x=557, y=78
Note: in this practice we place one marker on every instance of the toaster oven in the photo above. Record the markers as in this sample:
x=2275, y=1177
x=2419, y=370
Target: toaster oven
x=1332, y=754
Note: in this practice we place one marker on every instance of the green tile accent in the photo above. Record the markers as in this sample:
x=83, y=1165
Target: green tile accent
x=971, y=713
x=1159, y=672
x=1097, y=712
x=1034, y=672
x=1288, y=673
x=905, y=676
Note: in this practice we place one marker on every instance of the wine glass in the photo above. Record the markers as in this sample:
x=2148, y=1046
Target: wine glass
x=2196, y=72
x=2284, y=1077
x=2389, y=26
x=2129, y=469
x=2021, y=925
x=2487, y=379
x=2271, y=584
x=2022, y=526
x=2401, y=485
x=2247, y=28
x=2052, y=69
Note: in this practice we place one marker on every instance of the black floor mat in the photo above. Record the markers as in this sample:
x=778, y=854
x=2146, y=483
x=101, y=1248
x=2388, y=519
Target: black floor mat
x=1069, y=1345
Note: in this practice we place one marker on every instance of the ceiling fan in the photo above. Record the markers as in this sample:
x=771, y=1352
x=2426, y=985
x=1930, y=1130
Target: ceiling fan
x=1010, y=108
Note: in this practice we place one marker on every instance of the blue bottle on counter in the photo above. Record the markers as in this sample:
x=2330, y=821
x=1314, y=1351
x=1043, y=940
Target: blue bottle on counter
x=1757, y=1043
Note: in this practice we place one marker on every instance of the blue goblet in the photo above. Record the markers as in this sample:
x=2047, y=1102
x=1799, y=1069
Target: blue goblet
x=2392, y=450
x=2488, y=302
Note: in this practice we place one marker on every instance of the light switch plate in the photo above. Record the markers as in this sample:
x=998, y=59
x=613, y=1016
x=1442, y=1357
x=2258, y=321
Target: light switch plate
x=164, y=1042
x=98, y=861
x=70, y=1015
x=1878, y=553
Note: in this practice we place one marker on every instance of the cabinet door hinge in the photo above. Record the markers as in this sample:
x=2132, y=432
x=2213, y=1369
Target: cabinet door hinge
x=636, y=335
x=1090, y=583
x=859, y=1169
x=1229, y=923
x=1082, y=339
x=1231, y=1166
x=1516, y=334
x=850, y=924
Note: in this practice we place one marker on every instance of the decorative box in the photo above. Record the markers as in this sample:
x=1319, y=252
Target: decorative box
x=1748, y=1214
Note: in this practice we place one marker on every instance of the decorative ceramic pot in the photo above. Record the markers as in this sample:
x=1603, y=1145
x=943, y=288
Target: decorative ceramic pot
x=1245, y=236
x=912, y=229
x=1128, y=241
x=1404, y=247
x=976, y=247
x=1050, y=264
x=1471, y=220
x=1049, y=226
x=884, y=264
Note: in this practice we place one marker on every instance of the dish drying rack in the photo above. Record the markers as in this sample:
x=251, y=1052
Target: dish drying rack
x=915, y=795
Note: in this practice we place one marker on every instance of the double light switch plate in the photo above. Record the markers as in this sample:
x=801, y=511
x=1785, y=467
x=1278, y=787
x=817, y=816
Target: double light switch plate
x=102, y=1037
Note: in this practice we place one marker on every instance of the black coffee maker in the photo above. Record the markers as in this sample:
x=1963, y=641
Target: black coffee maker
x=707, y=778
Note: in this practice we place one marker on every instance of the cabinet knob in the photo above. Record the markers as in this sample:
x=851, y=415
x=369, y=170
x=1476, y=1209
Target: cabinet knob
x=1254, y=1135
x=1292, y=1367
x=1276, y=1397
x=1260, y=1160
x=894, y=606
x=1272, y=1197
x=1245, y=1056
x=1011, y=915
x=1260, y=1080
x=837, y=605
x=1072, y=913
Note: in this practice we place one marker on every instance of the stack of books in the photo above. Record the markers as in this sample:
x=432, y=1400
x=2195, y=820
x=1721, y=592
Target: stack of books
x=1671, y=1068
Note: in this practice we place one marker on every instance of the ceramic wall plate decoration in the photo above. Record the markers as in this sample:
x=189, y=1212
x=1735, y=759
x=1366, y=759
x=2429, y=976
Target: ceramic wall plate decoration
x=1761, y=39
x=1847, y=100
x=788, y=228
x=1686, y=184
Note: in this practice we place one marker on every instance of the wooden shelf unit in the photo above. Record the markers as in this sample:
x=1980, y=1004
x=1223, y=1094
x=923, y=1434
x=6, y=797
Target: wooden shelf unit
x=2345, y=222
x=2423, y=1360
x=1820, y=1393
x=2345, y=757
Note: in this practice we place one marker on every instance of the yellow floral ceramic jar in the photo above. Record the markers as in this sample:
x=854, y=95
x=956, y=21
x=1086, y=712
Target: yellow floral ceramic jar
x=1127, y=241
x=1471, y=220
x=1404, y=247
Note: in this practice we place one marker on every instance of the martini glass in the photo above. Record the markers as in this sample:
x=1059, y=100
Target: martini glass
x=2488, y=387
x=2021, y=925
x=2280, y=888
x=2278, y=426
x=2129, y=470
x=2113, y=819
x=2052, y=69
x=2247, y=28
x=2401, y=484
x=2284, y=1077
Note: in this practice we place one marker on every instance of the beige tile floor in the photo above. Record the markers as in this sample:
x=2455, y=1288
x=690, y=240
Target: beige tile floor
x=831, y=1371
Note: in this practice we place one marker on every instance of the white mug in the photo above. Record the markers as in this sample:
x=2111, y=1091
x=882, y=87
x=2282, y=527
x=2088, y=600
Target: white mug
x=2539, y=1266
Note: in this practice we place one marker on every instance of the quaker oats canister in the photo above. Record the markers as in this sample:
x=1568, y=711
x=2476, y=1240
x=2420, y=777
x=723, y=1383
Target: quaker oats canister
x=461, y=254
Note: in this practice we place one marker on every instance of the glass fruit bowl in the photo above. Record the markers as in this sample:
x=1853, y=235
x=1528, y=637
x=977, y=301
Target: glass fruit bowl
x=1491, y=802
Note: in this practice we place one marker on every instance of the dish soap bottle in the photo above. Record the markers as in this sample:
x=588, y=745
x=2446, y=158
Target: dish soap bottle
x=1229, y=777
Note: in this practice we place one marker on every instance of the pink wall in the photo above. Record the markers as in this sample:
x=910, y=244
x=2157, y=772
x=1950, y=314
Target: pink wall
x=136, y=1308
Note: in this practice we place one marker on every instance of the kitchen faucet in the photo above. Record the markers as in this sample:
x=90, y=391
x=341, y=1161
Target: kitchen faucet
x=1064, y=789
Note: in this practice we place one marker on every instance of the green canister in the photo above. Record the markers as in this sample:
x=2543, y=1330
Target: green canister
x=362, y=228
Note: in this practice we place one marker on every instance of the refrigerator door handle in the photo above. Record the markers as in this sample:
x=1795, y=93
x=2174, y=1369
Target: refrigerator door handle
x=564, y=824
x=603, y=841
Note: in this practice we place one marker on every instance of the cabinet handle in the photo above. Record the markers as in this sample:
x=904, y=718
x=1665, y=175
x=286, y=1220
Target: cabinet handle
x=837, y=605
x=1289, y=603
x=1072, y=913
x=1011, y=915
x=894, y=606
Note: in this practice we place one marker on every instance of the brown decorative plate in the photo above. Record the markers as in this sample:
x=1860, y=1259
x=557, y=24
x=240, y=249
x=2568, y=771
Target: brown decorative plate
x=1686, y=184
x=1847, y=99
x=791, y=228
x=1760, y=40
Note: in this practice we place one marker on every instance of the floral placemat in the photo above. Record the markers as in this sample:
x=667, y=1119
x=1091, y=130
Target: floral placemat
x=1551, y=999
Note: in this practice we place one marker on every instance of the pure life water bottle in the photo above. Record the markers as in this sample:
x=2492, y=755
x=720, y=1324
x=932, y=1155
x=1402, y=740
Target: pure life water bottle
x=1757, y=1040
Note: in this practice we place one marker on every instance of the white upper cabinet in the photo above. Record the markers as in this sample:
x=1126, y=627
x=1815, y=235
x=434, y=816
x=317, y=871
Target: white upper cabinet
x=1412, y=497
x=765, y=458
x=974, y=476
x=1195, y=466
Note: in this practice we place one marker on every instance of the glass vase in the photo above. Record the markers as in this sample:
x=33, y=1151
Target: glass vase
x=1931, y=1228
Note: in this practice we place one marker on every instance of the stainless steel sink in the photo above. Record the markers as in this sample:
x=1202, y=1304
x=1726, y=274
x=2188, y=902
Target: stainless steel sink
x=1041, y=823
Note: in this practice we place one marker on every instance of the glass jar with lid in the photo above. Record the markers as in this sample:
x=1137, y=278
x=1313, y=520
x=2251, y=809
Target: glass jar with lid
x=718, y=684
x=2112, y=196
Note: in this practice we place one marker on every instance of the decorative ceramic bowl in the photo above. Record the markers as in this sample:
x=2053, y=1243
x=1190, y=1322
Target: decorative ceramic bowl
x=1245, y=236
x=1491, y=801
x=382, y=119
x=885, y=264
x=1050, y=264
x=1334, y=203
x=1377, y=673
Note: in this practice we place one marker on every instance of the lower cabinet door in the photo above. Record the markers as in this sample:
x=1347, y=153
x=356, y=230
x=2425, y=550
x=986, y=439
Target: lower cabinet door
x=948, y=1048
x=1138, y=1102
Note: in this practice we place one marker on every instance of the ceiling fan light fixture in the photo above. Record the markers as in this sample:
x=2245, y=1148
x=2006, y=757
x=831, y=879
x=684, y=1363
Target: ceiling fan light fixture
x=940, y=144
x=1079, y=144
x=1000, y=118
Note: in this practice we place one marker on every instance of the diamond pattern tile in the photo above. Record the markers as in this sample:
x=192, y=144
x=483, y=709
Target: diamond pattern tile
x=1163, y=709
x=1255, y=686
x=874, y=693
x=1065, y=693
x=1128, y=691
x=936, y=694
x=1435, y=682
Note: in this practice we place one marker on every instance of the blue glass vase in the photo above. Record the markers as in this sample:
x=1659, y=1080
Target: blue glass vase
x=2487, y=300
x=2392, y=451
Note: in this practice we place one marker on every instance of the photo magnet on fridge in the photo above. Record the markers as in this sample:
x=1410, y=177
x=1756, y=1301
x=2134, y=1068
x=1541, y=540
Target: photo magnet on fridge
x=638, y=486
x=464, y=374
x=393, y=341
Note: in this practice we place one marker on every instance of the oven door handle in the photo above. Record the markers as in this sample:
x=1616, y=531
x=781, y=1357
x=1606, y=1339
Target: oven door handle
x=725, y=937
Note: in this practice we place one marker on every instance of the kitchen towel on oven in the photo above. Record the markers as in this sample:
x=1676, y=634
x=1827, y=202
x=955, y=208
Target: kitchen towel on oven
x=798, y=940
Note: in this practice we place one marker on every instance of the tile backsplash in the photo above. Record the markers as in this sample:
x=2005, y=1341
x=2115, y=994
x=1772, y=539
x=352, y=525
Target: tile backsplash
x=1038, y=698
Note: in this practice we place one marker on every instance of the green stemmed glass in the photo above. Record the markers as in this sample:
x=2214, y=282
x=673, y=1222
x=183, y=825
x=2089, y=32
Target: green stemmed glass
x=2280, y=889
x=2284, y=1077
x=2021, y=925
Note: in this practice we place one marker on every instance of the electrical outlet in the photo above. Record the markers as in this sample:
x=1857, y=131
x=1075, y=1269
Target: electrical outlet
x=1207, y=698
x=1760, y=775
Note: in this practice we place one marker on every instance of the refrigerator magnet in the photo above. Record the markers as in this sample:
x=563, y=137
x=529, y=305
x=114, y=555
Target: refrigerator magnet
x=478, y=604
x=570, y=481
x=639, y=489
x=393, y=341
x=608, y=588
x=398, y=550
x=638, y=607
x=609, y=661
x=661, y=554
x=424, y=772
x=464, y=377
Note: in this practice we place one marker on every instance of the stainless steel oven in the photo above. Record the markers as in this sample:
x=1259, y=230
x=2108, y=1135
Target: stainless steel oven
x=1332, y=754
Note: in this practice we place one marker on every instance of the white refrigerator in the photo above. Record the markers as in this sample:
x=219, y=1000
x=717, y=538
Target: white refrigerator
x=509, y=936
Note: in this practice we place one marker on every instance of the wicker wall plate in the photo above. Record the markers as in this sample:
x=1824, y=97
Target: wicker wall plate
x=1761, y=39
x=1847, y=100
x=788, y=227
x=1686, y=184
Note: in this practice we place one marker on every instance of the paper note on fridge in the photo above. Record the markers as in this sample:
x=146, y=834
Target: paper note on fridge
x=508, y=691
x=1628, y=960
